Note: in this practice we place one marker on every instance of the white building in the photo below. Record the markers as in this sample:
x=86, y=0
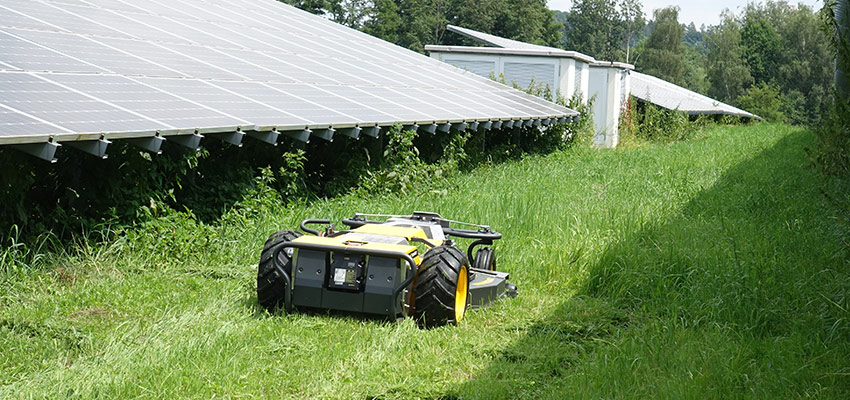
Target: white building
x=564, y=72
x=609, y=84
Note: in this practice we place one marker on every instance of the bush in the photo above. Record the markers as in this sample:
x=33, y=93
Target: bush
x=641, y=120
x=765, y=101
x=647, y=121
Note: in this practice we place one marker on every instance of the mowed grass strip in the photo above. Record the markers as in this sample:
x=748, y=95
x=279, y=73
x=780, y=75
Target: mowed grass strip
x=702, y=269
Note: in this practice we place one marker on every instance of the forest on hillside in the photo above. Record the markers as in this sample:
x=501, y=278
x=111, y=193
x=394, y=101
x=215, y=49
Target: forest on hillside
x=769, y=59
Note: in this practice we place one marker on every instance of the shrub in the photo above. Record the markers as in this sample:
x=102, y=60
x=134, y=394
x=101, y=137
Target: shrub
x=764, y=100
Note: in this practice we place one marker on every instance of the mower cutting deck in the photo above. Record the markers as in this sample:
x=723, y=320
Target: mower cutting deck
x=396, y=267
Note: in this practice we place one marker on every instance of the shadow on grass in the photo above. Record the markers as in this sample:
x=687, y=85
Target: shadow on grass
x=741, y=293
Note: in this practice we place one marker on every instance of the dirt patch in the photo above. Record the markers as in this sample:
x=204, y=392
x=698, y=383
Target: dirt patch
x=91, y=312
x=65, y=276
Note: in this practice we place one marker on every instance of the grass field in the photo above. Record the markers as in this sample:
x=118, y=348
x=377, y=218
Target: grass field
x=703, y=269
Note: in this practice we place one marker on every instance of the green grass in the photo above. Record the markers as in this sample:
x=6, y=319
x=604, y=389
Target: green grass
x=702, y=269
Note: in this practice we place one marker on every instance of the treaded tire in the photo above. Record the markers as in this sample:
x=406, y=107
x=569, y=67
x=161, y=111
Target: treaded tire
x=435, y=290
x=485, y=258
x=271, y=287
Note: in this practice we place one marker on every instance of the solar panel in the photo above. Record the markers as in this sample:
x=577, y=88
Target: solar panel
x=146, y=100
x=40, y=96
x=20, y=53
x=86, y=69
x=673, y=97
x=15, y=121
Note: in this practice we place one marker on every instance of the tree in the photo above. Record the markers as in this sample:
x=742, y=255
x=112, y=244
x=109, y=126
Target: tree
x=594, y=27
x=528, y=21
x=480, y=15
x=694, y=37
x=318, y=7
x=806, y=66
x=695, y=74
x=631, y=12
x=761, y=48
x=383, y=21
x=416, y=23
x=728, y=73
x=664, y=52
x=562, y=17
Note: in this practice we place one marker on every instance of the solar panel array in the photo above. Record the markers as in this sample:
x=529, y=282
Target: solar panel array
x=645, y=87
x=88, y=70
x=673, y=97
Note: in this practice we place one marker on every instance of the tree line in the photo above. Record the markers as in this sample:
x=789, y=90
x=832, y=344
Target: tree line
x=770, y=58
x=416, y=23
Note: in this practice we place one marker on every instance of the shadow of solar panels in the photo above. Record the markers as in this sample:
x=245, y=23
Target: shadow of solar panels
x=101, y=69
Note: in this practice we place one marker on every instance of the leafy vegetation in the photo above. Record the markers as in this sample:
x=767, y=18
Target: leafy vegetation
x=663, y=53
x=727, y=70
x=642, y=122
x=82, y=197
x=416, y=23
x=770, y=44
x=832, y=154
x=764, y=100
x=603, y=29
x=706, y=268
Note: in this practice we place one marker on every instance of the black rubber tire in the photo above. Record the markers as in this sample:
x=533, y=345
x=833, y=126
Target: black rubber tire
x=271, y=287
x=485, y=258
x=435, y=288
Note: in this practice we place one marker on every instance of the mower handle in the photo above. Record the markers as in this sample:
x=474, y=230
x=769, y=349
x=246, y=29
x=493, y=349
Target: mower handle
x=287, y=299
x=313, y=221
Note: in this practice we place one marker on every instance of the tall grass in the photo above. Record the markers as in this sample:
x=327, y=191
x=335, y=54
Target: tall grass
x=696, y=269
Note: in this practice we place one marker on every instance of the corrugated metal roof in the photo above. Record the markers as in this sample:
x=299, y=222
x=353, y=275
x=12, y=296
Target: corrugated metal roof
x=93, y=70
x=673, y=97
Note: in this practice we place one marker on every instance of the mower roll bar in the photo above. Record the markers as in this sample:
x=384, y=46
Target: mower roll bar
x=313, y=221
x=287, y=298
x=481, y=234
x=356, y=223
x=470, y=234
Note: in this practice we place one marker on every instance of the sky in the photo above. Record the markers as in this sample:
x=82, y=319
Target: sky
x=699, y=12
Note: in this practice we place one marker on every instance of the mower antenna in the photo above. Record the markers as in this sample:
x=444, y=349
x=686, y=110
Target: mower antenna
x=379, y=215
x=434, y=217
x=485, y=228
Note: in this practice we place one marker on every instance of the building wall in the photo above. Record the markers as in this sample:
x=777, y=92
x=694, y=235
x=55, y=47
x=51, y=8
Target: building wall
x=608, y=86
x=518, y=69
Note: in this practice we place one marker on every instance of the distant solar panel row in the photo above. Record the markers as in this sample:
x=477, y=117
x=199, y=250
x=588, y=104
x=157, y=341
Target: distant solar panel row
x=75, y=70
x=673, y=97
